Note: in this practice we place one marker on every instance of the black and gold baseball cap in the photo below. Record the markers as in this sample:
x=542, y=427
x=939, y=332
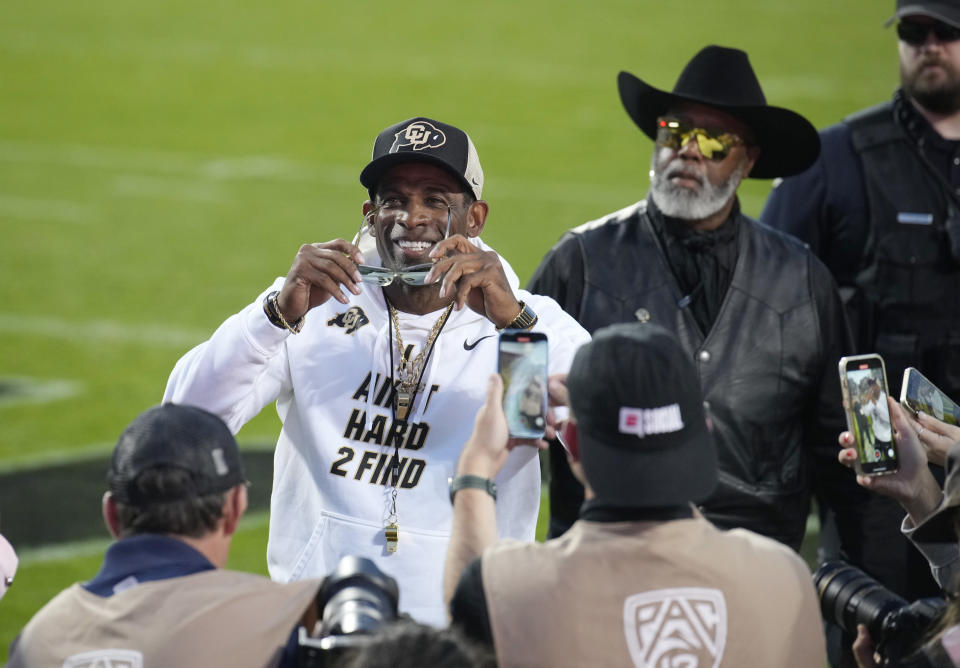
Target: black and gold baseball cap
x=178, y=436
x=425, y=140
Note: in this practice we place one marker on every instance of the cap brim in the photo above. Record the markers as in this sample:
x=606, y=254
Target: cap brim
x=375, y=169
x=788, y=143
x=920, y=10
x=669, y=476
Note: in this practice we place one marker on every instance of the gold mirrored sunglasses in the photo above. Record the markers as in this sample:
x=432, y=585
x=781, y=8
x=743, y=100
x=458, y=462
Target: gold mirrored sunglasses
x=676, y=134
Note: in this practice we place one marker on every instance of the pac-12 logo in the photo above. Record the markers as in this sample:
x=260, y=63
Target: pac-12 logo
x=419, y=135
x=684, y=626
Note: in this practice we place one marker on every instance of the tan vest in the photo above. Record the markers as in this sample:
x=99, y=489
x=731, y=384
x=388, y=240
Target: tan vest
x=213, y=618
x=679, y=593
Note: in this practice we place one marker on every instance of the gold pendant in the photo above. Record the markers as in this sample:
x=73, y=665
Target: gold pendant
x=403, y=404
x=392, y=532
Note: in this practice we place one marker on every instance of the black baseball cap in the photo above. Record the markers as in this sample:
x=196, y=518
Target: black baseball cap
x=641, y=426
x=178, y=436
x=938, y=527
x=425, y=140
x=946, y=11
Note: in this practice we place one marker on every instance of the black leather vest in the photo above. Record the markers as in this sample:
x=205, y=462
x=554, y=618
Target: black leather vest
x=908, y=281
x=759, y=365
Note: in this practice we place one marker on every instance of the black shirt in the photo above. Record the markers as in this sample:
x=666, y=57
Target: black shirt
x=702, y=261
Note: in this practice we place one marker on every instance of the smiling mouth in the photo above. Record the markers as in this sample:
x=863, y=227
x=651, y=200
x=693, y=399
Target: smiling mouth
x=414, y=249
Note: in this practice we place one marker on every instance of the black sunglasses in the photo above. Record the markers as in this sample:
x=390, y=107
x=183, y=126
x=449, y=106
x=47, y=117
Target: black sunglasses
x=915, y=34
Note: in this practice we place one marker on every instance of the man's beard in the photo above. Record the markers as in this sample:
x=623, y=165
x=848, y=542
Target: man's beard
x=688, y=204
x=941, y=97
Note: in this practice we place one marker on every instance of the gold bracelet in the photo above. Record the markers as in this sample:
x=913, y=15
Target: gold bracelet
x=272, y=308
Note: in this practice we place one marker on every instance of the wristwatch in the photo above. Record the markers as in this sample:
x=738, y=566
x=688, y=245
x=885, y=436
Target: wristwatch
x=526, y=319
x=474, y=482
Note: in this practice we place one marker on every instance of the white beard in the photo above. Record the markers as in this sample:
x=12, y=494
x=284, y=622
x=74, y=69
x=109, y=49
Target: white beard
x=687, y=204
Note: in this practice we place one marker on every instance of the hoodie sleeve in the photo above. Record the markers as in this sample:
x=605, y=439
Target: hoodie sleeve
x=239, y=370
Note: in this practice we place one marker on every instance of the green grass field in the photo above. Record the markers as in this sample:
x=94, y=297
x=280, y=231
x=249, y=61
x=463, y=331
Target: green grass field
x=160, y=163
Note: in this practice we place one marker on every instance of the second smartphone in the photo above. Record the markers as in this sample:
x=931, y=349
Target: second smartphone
x=523, y=367
x=863, y=380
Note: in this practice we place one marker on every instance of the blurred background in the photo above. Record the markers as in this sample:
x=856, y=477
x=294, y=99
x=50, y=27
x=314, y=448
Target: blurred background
x=161, y=162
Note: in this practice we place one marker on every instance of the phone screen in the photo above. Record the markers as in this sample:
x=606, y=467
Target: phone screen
x=920, y=395
x=523, y=367
x=868, y=414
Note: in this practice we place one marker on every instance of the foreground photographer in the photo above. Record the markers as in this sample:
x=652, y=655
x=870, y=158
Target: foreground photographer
x=162, y=598
x=930, y=524
x=641, y=578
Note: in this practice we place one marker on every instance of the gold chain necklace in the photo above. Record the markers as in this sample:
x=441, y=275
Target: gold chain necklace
x=410, y=371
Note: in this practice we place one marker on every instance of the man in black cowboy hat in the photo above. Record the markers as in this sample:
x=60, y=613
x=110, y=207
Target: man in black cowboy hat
x=755, y=310
x=881, y=208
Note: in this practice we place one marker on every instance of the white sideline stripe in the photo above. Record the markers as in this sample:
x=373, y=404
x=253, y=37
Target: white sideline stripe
x=253, y=443
x=532, y=71
x=37, y=390
x=62, y=211
x=165, y=188
x=33, y=461
x=274, y=168
x=96, y=546
x=97, y=332
x=221, y=168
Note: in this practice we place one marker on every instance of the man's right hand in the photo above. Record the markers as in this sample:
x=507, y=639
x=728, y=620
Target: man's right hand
x=318, y=272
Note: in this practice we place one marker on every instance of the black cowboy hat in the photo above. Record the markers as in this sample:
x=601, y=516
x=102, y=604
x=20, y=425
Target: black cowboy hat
x=723, y=78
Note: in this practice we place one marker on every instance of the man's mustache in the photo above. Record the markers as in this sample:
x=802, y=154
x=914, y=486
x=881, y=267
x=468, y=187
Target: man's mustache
x=683, y=171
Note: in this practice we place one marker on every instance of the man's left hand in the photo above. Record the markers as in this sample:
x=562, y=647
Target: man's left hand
x=475, y=278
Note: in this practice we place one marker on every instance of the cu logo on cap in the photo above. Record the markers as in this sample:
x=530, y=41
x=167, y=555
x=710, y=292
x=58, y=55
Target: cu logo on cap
x=419, y=135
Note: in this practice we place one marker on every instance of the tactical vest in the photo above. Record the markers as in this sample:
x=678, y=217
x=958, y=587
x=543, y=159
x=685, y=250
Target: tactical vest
x=759, y=365
x=678, y=593
x=908, y=281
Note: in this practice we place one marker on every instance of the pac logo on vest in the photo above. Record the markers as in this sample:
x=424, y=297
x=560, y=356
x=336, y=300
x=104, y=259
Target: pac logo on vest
x=669, y=627
x=351, y=320
x=107, y=658
x=419, y=135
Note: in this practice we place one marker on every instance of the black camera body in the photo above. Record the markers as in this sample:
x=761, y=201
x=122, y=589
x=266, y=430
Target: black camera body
x=848, y=597
x=354, y=602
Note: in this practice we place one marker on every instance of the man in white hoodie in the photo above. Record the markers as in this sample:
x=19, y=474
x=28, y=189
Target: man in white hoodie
x=377, y=370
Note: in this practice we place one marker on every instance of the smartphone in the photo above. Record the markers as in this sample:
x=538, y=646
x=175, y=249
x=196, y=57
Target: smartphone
x=522, y=364
x=921, y=396
x=863, y=379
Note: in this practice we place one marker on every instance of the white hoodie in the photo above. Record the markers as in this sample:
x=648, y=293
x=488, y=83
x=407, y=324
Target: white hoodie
x=330, y=382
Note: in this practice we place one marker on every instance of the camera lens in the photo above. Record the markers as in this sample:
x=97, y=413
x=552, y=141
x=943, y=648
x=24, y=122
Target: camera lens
x=848, y=597
x=357, y=598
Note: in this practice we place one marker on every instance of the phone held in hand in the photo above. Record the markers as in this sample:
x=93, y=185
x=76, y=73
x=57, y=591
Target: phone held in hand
x=863, y=379
x=522, y=364
x=921, y=396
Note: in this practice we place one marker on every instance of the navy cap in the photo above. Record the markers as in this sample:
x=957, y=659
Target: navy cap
x=184, y=437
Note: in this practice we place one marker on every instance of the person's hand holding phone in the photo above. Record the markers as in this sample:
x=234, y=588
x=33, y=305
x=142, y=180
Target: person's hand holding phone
x=485, y=453
x=936, y=436
x=489, y=445
x=912, y=486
